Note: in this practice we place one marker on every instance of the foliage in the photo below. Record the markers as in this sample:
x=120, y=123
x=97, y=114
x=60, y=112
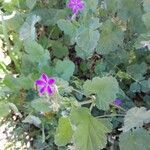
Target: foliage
x=100, y=87
x=92, y=130
x=133, y=141
x=98, y=54
x=135, y=117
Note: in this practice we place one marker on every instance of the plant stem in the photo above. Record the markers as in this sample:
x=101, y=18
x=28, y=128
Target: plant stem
x=78, y=91
x=86, y=102
x=112, y=115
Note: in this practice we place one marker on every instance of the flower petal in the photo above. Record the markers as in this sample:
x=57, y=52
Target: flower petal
x=40, y=82
x=81, y=6
x=51, y=81
x=70, y=5
x=79, y=1
x=44, y=77
x=117, y=102
x=43, y=90
x=49, y=90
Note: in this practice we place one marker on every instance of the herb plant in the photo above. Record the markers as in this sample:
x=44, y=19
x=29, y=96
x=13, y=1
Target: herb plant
x=75, y=74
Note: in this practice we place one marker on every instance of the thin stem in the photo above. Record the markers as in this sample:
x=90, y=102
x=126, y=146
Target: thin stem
x=112, y=115
x=73, y=17
x=92, y=105
x=78, y=91
x=43, y=134
x=86, y=102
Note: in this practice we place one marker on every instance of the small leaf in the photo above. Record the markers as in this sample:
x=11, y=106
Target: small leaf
x=32, y=120
x=35, y=52
x=41, y=105
x=63, y=132
x=4, y=109
x=27, y=31
x=137, y=70
x=135, y=87
x=59, y=50
x=136, y=140
x=67, y=27
x=15, y=109
x=105, y=89
x=93, y=23
x=129, y=8
x=50, y=16
x=91, y=5
x=64, y=69
x=111, y=37
x=136, y=117
x=84, y=35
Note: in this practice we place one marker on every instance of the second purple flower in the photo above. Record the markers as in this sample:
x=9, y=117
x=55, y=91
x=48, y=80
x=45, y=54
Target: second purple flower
x=76, y=6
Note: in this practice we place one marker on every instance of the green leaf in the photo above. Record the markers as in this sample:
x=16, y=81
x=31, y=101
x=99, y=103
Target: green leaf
x=27, y=31
x=146, y=19
x=4, y=109
x=11, y=83
x=92, y=130
x=137, y=70
x=15, y=23
x=91, y=5
x=129, y=9
x=135, y=87
x=111, y=37
x=32, y=120
x=105, y=89
x=64, y=69
x=15, y=109
x=145, y=85
x=50, y=16
x=136, y=140
x=59, y=50
x=84, y=35
x=67, y=27
x=143, y=41
x=41, y=105
x=35, y=52
x=64, y=132
x=136, y=117
x=146, y=5
x=111, y=6
x=93, y=23
x=31, y=3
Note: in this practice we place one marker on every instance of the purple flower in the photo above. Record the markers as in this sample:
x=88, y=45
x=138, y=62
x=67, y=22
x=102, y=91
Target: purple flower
x=117, y=102
x=76, y=6
x=45, y=84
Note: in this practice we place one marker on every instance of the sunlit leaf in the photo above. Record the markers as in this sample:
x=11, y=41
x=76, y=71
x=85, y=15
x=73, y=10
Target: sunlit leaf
x=136, y=117
x=63, y=132
x=92, y=130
